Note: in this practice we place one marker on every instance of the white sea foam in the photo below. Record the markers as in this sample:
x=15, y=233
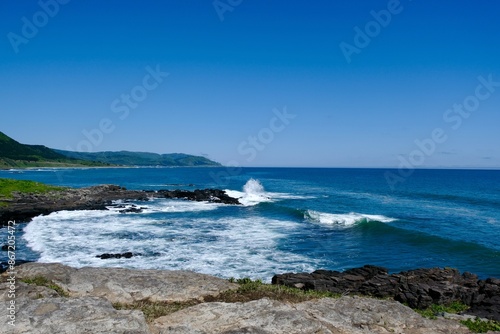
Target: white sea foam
x=165, y=205
x=254, y=193
x=227, y=247
x=343, y=220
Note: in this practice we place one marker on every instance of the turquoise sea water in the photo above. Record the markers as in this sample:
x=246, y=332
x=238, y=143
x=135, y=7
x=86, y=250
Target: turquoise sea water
x=292, y=219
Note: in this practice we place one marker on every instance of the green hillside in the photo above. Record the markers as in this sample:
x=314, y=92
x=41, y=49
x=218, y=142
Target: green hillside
x=16, y=155
x=11, y=149
x=127, y=158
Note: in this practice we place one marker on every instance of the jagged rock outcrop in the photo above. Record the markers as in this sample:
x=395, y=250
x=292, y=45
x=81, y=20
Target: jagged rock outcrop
x=486, y=304
x=418, y=288
x=23, y=207
x=209, y=195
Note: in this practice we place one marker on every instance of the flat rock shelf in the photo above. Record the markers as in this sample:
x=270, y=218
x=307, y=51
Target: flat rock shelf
x=84, y=301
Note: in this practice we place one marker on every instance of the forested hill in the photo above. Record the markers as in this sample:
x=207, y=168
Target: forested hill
x=126, y=158
x=14, y=155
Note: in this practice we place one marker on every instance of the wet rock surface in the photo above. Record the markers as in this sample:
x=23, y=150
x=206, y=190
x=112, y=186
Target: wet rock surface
x=418, y=288
x=126, y=255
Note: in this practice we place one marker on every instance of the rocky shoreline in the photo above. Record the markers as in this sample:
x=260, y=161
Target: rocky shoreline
x=418, y=288
x=22, y=207
x=53, y=298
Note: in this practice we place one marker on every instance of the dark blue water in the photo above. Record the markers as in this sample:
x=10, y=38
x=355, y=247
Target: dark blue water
x=291, y=220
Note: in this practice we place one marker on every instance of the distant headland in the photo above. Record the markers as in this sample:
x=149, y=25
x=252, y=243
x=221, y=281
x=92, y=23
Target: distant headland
x=16, y=155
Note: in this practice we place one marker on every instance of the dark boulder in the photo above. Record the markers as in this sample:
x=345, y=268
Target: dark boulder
x=200, y=195
x=132, y=209
x=126, y=255
x=486, y=303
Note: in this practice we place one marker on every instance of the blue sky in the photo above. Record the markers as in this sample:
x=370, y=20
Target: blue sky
x=257, y=83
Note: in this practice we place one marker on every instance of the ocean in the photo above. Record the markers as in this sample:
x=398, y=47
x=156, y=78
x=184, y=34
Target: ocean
x=290, y=220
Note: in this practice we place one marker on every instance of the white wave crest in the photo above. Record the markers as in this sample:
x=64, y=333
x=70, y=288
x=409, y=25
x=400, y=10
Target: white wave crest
x=344, y=220
x=253, y=193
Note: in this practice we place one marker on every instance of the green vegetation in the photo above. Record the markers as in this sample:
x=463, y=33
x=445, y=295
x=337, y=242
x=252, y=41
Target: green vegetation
x=248, y=290
x=16, y=155
x=434, y=310
x=126, y=158
x=154, y=310
x=479, y=326
x=42, y=281
x=254, y=290
x=475, y=326
x=12, y=149
x=9, y=186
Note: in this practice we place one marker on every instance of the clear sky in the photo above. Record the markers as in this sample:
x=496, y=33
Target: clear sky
x=257, y=82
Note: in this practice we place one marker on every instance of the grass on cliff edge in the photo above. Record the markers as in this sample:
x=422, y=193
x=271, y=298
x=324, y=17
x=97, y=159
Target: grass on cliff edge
x=480, y=326
x=434, y=310
x=475, y=326
x=42, y=281
x=248, y=290
x=8, y=186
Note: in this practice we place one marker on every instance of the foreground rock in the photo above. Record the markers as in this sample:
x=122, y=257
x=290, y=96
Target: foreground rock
x=71, y=316
x=344, y=315
x=418, y=288
x=89, y=309
x=23, y=207
x=120, y=285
